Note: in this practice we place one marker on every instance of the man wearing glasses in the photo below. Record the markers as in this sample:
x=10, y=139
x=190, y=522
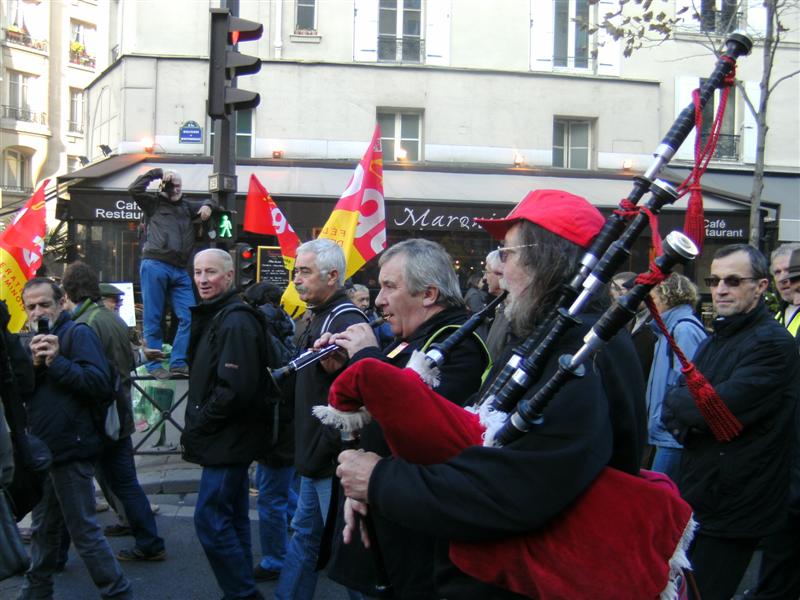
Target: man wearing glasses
x=737, y=488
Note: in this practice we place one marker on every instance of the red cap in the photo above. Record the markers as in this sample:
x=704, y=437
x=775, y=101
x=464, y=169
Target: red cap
x=567, y=215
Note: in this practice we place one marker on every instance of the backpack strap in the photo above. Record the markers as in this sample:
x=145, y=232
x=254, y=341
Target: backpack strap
x=345, y=307
x=479, y=339
x=670, y=352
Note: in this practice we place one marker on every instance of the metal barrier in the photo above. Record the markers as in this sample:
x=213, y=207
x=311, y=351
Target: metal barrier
x=164, y=412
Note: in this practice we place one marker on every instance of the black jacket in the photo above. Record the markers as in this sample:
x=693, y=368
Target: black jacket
x=226, y=413
x=60, y=411
x=489, y=493
x=168, y=233
x=407, y=554
x=317, y=445
x=738, y=489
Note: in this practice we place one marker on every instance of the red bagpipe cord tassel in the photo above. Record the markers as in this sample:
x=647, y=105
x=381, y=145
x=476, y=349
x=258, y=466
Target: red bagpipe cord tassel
x=628, y=210
x=694, y=224
x=722, y=422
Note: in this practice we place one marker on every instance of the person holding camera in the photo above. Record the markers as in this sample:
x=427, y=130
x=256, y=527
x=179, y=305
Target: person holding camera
x=167, y=239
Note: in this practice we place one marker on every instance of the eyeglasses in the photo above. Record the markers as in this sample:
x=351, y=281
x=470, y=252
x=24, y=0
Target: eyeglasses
x=729, y=281
x=504, y=251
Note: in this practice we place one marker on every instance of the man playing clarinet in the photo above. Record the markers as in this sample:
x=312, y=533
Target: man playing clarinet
x=421, y=301
x=483, y=494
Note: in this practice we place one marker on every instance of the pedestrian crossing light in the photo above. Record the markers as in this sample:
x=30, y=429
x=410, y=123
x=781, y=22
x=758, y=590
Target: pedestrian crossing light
x=225, y=226
x=225, y=63
x=244, y=264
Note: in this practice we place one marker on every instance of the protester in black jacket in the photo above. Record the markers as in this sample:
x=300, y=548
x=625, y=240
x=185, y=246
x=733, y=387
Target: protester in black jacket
x=486, y=493
x=167, y=238
x=319, y=278
x=226, y=418
x=737, y=487
x=422, y=301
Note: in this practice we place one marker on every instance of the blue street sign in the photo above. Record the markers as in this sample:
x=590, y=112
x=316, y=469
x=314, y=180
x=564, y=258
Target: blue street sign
x=190, y=133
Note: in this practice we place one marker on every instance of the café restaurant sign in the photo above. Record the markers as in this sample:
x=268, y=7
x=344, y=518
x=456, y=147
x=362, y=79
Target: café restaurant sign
x=426, y=217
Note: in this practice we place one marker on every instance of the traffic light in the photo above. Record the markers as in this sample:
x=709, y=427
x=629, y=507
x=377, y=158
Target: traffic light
x=225, y=63
x=244, y=264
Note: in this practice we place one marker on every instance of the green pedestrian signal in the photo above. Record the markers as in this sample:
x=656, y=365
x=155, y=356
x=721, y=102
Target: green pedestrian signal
x=225, y=227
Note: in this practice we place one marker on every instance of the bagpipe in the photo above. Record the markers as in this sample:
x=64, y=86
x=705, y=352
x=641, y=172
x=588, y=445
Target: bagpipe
x=625, y=536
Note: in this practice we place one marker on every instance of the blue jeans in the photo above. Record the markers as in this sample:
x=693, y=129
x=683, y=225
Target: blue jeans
x=159, y=279
x=274, y=488
x=68, y=499
x=119, y=471
x=668, y=461
x=223, y=528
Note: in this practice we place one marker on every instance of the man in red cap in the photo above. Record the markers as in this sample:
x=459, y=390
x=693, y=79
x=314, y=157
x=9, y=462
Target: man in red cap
x=483, y=493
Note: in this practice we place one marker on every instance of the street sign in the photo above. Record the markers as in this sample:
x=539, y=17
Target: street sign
x=190, y=133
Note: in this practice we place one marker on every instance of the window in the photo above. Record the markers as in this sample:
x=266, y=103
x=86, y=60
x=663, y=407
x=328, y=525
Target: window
x=400, y=135
x=244, y=134
x=728, y=142
x=306, y=17
x=572, y=143
x=719, y=16
x=571, y=36
x=399, y=31
x=16, y=171
x=81, y=44
x=75, y=124
x=18, y=93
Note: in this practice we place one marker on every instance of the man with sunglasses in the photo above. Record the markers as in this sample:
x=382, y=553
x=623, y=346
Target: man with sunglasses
x=738, y=487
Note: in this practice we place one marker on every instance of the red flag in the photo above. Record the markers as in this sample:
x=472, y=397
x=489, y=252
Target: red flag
x=21, y=250
x=358, y=221
x=262, y=215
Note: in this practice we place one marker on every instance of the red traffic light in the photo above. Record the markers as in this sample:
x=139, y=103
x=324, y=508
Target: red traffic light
x=247, y=253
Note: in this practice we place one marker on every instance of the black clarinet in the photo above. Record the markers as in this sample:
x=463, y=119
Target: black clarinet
x=437, y=354
x=678, y=249
x=738, y=44
x=309, y=357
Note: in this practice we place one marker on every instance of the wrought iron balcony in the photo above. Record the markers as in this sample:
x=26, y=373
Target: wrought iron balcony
x=23, y=38
x=16, y=189
x=24, y=114
x=75, y=127
x=407, y=49
x=82, y=59
x=720, y=21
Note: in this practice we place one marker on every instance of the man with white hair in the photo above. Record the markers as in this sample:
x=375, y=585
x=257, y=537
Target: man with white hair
x=319, y=279
x=786, y=284
x=226, y=417
x=498, y=328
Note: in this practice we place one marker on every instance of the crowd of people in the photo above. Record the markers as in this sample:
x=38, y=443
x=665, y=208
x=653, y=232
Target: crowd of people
x=404, y=500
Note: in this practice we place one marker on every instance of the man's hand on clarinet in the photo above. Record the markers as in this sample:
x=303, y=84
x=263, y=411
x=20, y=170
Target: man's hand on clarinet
x=351, y=340
x=353, y=513
x=354, y=470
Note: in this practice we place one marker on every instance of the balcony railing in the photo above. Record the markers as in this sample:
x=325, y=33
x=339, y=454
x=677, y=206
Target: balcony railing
x=82, y=59
x=22, y=38
x=16, y=189
x=75, y=127
x=405, y=49
x=24, y=114
x=727, y=147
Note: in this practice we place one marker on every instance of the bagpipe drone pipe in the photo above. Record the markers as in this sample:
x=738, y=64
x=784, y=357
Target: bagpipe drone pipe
x=598, y=265
x=623, y=537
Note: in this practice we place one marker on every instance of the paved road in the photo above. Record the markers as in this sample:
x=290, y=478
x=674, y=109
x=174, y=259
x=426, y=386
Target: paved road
x=185, y=575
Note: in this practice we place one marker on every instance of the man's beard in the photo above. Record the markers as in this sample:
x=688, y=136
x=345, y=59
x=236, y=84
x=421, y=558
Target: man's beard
x=520, y=311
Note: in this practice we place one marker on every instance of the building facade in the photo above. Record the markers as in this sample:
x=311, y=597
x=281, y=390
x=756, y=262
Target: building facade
x=478, y=102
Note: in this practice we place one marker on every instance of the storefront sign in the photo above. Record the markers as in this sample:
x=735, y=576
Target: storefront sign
x=726, y=229
x=270, y=266
x=425, y=217
x=121, y=210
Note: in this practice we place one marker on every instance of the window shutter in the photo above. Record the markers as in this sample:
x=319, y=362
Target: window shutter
x=684, y=85
x=365, y=31
x=437, y=32
x=609, y=50
x=542, y=15
x=749, y=128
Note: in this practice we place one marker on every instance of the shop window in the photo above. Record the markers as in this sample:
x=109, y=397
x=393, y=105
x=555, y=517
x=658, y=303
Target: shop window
x=401, y=135
x=572, y=143
x=400, y=31
x=305, y=22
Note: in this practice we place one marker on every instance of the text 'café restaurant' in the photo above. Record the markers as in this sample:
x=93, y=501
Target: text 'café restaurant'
x=437, y=203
